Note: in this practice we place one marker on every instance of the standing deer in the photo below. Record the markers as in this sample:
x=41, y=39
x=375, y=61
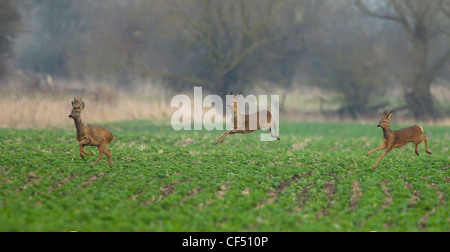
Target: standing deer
x=244, y=120
x=88, y=135
x=398, y=138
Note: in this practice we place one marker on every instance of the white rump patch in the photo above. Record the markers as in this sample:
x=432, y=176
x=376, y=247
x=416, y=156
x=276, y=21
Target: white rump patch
x=420, y=128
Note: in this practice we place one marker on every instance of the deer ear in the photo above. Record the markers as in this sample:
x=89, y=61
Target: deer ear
x=389, y=116
x=72, y=103
x=385, y=114
x=82, y=105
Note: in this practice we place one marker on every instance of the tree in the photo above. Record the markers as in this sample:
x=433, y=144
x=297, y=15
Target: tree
x=55, y=30
x=344, y=56
x=216, y=39
x=225, y=33
x=423, y=22
x=127, y=42
x=10, y=21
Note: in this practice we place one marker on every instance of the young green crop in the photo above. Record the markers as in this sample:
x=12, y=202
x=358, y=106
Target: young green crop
x=317, y=178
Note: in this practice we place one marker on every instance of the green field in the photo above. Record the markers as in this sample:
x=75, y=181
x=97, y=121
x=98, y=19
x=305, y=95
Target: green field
x=317, y=178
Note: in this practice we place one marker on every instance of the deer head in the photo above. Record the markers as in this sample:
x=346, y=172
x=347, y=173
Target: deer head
x=384, y=122
x=77, y=106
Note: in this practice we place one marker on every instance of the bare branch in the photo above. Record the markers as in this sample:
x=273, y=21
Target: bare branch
x=399, y=18
x=443, y=9
x=229, y=36
x=240, y=57
x=439, y=65
x=401, y=12
x=145, y=71
x=366, y=10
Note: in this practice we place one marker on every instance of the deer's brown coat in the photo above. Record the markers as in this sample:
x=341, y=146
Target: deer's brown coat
x=89, y=135
x=242, y=122
x=398, y=138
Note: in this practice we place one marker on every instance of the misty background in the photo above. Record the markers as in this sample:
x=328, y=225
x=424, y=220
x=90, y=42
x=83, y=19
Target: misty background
x=327, y=59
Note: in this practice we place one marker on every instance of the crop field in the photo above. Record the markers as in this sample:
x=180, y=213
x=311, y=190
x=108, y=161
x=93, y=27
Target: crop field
x=317, y=178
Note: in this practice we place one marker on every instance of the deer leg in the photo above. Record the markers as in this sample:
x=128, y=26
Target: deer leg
x=218, y=139
x=382, y=156
x=420, y=140
x=82, y=144
x=81, y=151
x=275, y=128
x=274, y=123
x=101, y=150
x=268, y=126
x=223, y=136
x=109, y=154
x=382, y=146
x=426, y=145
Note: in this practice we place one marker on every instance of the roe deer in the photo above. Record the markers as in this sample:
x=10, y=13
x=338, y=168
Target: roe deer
x=398, y=138
x=88, y=135
x=263, y=119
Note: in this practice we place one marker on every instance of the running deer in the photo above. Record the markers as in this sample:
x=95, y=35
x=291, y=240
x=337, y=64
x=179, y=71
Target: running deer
x=398, y=138
x=88, y=135
x=241, y=122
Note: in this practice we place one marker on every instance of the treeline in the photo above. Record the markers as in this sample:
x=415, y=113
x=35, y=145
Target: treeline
x=359, y=48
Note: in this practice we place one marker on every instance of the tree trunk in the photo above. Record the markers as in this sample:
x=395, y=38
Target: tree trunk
x=420, y=101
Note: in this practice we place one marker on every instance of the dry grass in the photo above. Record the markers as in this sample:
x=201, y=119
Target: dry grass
x=39, y=112
x=52, y=112
x=24, y=107
x=23, y=104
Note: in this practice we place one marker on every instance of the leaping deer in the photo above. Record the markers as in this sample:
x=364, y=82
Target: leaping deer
x=88, y=135
x=241, y=122
x=398, y=138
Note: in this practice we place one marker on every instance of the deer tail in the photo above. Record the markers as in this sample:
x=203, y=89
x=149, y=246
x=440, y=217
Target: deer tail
x=420, y=128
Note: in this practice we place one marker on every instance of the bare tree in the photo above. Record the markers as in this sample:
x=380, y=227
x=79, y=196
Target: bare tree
x=9, y=26
x=345, y=56
x=53, y=32
x=225, y=33
x=422, y=21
